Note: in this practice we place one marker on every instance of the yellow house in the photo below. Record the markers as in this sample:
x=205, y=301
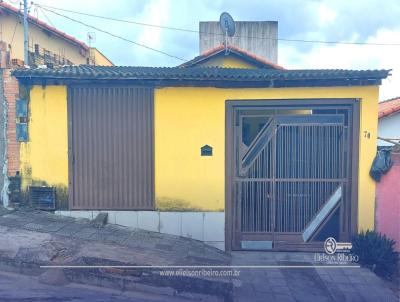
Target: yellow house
x=46, y=43
x=250, y=156
x=96, y=57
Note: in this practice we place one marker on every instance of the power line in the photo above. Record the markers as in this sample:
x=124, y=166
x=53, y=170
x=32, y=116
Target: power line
x=47, y=18
x=113, y=35
x=217, y=34
x=117, y=20
x=19, y=19
x=15, y=29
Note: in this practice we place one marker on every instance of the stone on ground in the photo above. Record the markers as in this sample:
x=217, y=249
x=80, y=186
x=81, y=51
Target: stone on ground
x=53, y=276
x=100, y=220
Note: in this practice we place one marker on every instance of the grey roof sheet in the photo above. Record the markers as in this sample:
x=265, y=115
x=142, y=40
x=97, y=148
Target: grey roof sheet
x=195, y=73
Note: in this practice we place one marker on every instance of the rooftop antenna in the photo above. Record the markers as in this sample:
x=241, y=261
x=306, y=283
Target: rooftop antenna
x=26, y=41
x=228, y=27
x=91, y=37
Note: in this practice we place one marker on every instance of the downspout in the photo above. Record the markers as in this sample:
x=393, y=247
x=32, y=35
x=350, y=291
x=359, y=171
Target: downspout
x=4, y=190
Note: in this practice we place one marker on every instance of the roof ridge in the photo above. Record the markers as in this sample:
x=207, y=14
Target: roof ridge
x=390, y=100
x=217, y=49
x=254, y=56
x=219, y=68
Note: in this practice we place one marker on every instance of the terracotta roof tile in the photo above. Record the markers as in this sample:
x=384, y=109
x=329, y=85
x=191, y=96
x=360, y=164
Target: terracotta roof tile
x=44, y=25
x=389, y=107
x=232, y=48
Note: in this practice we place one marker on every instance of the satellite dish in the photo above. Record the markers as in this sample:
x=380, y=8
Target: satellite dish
x=227, y=24
x=228, y=28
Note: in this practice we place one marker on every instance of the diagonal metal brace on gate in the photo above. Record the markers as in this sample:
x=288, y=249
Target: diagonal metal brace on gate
x=261, y=140
x=325, y=211
x=267, y=132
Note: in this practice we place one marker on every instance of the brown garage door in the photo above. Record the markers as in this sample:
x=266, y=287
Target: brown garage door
x=111, y=162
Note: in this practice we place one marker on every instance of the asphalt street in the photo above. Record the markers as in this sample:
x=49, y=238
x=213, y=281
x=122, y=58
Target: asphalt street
x=23, y=288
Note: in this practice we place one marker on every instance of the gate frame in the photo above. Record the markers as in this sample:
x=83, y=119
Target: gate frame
x=230, y=105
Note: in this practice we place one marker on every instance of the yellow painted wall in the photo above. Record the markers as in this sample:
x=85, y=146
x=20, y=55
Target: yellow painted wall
x=188, y=118
x=98, y=59
x=48, y=41
x=44, y=158
x=227, y=62
x=368, y=145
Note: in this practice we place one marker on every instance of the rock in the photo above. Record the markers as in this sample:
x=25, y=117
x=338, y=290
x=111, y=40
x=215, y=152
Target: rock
x=53, y=276
x=100, y=220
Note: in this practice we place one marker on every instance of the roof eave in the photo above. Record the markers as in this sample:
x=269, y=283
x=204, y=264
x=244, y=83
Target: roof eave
x=177, y=82
x=388, y=114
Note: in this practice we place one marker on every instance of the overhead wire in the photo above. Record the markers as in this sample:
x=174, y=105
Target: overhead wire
x=15, y=29
x=219, y=34
x=115, y=35
x=47, y=18
x=19, y=19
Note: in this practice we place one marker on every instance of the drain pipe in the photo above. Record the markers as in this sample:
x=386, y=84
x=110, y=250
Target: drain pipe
x=4, y=190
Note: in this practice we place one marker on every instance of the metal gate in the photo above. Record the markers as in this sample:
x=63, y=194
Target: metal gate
x=290, y=176
x=111, y=164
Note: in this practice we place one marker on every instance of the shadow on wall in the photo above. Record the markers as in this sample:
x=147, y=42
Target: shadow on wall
x=61, y=193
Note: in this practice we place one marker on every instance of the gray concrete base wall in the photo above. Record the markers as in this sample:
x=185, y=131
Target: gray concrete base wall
x=208, y=227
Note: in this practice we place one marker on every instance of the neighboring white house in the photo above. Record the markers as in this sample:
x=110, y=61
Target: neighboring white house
x=389, y=120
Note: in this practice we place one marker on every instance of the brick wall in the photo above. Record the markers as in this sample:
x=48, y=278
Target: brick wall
x=11, y=92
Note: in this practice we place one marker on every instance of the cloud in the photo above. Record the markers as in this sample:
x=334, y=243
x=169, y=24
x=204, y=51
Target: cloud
x=352, y=57
x=339, y=20
x=326, y=15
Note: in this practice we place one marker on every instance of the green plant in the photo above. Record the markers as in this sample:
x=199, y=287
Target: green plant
x=377, y=252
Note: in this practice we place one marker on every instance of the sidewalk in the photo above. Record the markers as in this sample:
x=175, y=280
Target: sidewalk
x=31, y=239
x=23, y=288
x=311, y=283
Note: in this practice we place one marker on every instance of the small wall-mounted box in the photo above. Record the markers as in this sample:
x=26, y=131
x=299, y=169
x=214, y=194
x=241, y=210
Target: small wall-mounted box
x=21, y=108
x=22, y=132
x=206, y=150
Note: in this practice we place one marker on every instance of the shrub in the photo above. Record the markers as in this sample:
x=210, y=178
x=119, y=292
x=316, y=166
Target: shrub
x=377, y=252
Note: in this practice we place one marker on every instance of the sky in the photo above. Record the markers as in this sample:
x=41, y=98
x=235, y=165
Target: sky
x=372, y=21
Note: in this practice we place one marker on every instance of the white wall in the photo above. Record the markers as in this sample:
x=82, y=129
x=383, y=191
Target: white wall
x=389, y=127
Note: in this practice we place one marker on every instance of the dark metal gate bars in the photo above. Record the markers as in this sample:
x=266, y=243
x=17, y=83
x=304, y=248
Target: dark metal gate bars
x=291, y=175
